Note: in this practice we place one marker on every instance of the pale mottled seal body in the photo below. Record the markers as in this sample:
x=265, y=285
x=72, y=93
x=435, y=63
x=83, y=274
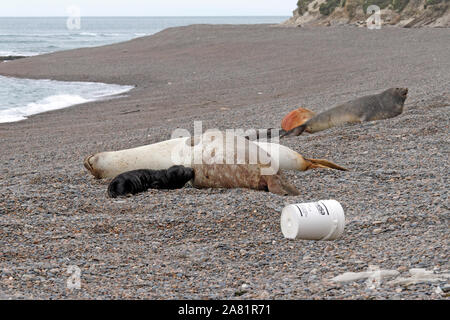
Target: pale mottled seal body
x=160, y=156
x=156, y=156
x=385, y=105
x=288, y=159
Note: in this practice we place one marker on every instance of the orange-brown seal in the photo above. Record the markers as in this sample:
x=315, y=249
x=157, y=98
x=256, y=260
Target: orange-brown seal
x=385, y=105
x=296, y=118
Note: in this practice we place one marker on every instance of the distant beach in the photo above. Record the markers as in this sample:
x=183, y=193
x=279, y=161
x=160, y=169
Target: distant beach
x=34, y=36
x=211, y=244
x=25, y=37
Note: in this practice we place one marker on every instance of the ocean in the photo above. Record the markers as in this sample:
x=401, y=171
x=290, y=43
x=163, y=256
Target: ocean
x=20, y=98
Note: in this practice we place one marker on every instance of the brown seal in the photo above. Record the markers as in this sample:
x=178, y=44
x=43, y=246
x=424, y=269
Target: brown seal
x=385, y=105
x=241, y=176
x=235, y=162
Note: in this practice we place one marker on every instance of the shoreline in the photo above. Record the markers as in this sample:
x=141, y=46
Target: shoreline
x=206, y=244
x=60, y=95
x=9, y=58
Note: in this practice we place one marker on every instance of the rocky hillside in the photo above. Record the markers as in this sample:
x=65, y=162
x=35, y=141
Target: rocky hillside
x=404, y=13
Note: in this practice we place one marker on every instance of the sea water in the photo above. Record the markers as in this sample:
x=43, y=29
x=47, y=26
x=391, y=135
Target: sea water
x=23, y=97
x=20, y=98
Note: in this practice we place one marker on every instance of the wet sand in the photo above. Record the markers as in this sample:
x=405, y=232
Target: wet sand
x=207, y=243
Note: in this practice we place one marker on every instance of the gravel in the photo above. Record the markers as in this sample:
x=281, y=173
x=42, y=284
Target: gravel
x=227, y=244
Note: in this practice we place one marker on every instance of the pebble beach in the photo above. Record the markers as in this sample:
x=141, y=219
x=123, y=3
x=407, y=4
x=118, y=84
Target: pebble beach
x=227, y=244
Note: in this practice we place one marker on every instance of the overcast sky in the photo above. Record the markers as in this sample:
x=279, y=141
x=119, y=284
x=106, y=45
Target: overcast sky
x=28, y=8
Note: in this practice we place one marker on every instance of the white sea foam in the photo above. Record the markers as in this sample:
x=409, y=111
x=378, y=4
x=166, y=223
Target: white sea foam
x=90, y=34
x=18, y=53
x=47, y=104
x=66, y=94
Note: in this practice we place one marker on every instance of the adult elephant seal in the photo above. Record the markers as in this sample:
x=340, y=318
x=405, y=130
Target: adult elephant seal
x=218, y=161
x=160, y=156
x=229, y=161
x=385, y=105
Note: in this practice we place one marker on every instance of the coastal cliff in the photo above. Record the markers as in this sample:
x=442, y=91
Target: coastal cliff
x=403, y=13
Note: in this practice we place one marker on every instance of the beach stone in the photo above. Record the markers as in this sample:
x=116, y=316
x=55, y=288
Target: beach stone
x=186, y=244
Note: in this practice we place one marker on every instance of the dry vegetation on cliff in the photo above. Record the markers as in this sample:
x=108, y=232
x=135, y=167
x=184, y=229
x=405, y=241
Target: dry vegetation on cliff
x=404, y=13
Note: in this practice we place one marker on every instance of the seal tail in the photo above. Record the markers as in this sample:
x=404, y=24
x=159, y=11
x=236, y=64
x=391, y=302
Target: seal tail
x=294, y=132
x=321, y=163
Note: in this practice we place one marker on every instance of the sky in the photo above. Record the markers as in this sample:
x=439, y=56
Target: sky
x=47, y=8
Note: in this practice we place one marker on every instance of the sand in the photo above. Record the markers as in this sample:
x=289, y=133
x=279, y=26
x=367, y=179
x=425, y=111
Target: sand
x=211, y=244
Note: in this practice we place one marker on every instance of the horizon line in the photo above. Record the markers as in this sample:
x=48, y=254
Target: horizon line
x=132, y=16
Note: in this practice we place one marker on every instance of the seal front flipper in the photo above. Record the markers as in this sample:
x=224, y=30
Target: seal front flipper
x=294, y=132
x=264, y=134
x=276, y=184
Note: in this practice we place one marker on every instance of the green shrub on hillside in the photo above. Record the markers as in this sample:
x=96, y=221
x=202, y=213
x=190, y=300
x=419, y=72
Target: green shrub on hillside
x=433, y=2
x=380, y=3
x=303, y=5
x=328, y=7
x=399, y=5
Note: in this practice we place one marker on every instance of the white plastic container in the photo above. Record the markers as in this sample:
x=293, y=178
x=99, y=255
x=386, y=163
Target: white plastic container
x=322, y=220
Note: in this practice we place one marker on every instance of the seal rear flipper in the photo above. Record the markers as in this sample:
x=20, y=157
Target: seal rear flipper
x=276, y=184
x=88, y=166
x=296, y=118
x=321, y=163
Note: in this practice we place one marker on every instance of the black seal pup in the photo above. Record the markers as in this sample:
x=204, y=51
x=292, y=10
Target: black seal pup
x=138, y=181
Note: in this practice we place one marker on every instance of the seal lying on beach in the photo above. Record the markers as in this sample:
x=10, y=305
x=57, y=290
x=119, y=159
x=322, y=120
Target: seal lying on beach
x=235, y=162
x=217, y=162
x=385, y=105
x=166, y=154
x=248, y=176
x=137, y=181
